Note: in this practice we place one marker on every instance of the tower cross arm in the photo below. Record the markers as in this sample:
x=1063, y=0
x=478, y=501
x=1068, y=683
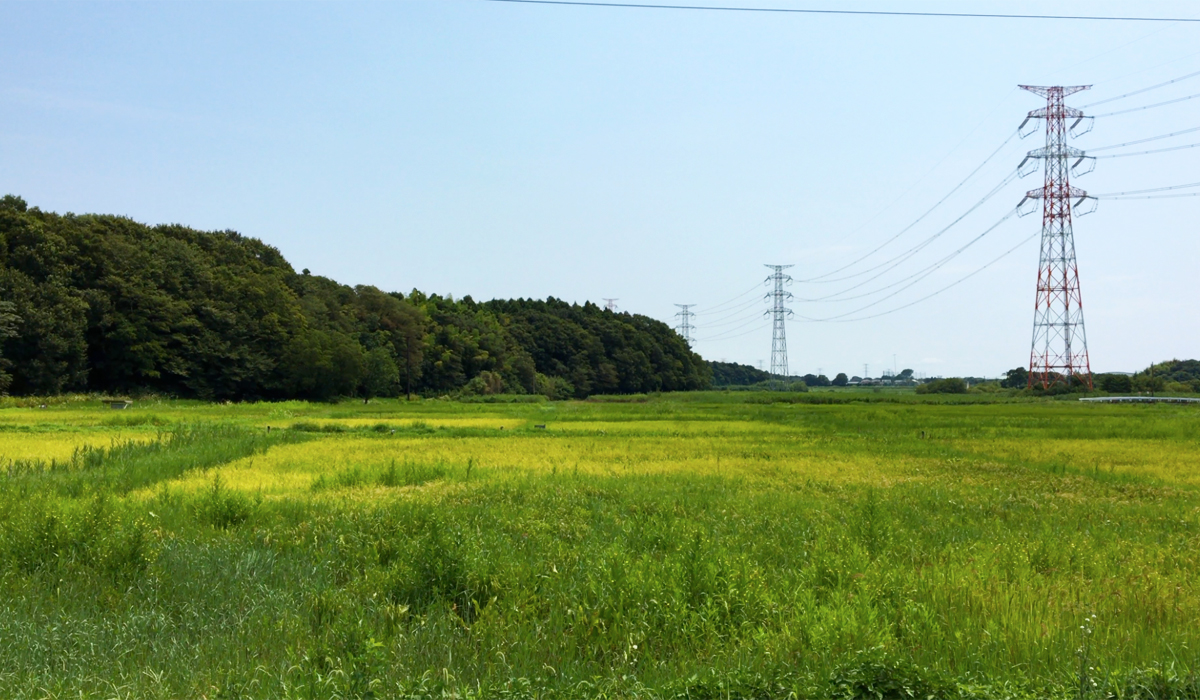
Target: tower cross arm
x=1069, y=112
x=1040, y=193
x=1045, y=91
x=1052, y=152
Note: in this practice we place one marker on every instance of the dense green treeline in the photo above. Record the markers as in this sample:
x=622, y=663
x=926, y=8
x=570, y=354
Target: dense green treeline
x=734, y=374
x=103, y=303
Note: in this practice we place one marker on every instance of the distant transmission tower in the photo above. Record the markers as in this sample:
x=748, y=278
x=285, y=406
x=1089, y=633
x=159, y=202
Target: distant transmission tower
x=779, y=313
x=1059, y=351
x=610, y=304
x=685, y=326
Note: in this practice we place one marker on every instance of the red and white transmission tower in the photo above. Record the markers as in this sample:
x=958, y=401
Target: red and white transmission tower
x=1059, y=352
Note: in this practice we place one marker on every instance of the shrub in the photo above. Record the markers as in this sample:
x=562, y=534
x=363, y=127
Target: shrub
x=486, y=383
x=1113, y=383
x=875, y=680
x=554, y=388
x=950, y=385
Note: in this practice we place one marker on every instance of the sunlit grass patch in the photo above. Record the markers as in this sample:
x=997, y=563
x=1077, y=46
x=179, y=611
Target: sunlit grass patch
x=668, y=427
x=349, y=460
x=58, y=445
x=1172, y=462
x=334, y=461
x=419, y=421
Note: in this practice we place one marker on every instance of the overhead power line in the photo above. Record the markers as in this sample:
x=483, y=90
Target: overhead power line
x=1138, y=92
x=919, y=274
x=1158, y=104
x=933, y=268
x=753, y=314
x=725, y=335
x=1152, y=138
x=1146, y=153
x=1156, y=189
x=898, y=260
x=927, y=297
x=731, y=310
x=877, y=13
x=733, y=313
x=821, y=279
x=1160, y=196
x=756, y=329
x=714, y=308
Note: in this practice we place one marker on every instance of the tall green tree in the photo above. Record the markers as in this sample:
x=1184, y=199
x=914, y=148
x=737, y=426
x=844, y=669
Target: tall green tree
x=8, y=328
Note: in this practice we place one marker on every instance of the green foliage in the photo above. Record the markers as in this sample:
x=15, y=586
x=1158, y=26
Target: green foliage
x=104, y=304
x=1175, y=376
x=554, y=388
x=381, y=376
x=223, y=508
x=597, y=351
x=8, y=329
x=950, y=385
x=1016, y=378
x=486, y=383
x=64, y=538
x=882, y=680
x=815, y=380
x=1184, y=371
x=734, y=374
x=1113, y=383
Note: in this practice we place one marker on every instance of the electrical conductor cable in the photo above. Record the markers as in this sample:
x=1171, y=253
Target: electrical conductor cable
x=820, y=279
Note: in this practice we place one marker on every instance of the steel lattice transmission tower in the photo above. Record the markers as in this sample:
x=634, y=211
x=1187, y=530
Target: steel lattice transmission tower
x=779, y=314
x=685, y=326
x=1059, y=350
x=610, y=304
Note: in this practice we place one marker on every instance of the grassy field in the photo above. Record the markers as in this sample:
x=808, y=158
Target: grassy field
x=689, y=546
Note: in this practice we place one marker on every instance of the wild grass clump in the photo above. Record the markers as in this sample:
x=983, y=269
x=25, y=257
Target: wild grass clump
x=438, y=571
x=406, y=474
x=311, y=427
x=224, y=509
x=411, y=474
x=72, y=538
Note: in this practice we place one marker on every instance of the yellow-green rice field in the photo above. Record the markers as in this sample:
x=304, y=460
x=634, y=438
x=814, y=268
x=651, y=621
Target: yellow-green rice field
x=683, y=546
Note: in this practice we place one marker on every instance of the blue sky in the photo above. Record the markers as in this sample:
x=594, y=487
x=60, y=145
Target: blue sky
x=660, y=157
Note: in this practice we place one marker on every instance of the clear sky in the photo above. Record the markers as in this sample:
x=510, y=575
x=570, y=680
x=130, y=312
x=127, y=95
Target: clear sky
x=659, y=157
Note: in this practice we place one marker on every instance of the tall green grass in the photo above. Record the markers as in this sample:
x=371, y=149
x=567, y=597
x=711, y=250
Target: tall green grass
x=973, y=576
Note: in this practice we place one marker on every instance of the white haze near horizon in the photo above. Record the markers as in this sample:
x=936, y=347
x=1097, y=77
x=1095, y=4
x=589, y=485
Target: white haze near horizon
x=659, y=157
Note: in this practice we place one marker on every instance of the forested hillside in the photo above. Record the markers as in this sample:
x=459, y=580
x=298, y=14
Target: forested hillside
x=105, y=304
x=734, y=374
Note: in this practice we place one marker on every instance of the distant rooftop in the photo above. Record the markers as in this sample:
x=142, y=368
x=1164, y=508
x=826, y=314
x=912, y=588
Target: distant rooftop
x=1142, y=399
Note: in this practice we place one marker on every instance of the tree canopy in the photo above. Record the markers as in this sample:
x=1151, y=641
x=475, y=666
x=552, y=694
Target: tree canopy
x=734, y=374
x=106, y=304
